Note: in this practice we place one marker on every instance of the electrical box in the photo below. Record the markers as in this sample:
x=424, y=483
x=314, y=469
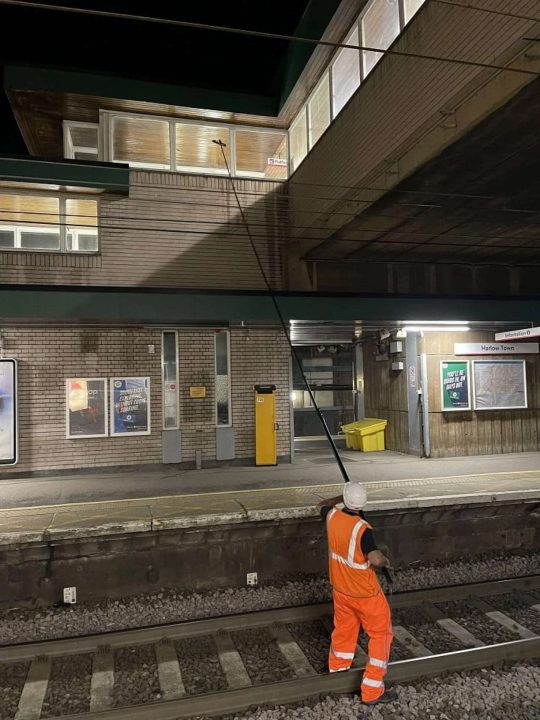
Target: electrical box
x=266, y=426
x=396, y=347
x=398, y=366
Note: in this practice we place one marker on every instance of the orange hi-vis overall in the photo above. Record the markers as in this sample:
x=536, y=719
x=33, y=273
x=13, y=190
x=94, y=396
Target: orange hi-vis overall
x=359, y=602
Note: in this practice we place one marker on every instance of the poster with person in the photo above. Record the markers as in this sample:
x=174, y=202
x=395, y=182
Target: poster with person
x=86, y=408
x=130, y=406
x=455, y=386
x=8, y=411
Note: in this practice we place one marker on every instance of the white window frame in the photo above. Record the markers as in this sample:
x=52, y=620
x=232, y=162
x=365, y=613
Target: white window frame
x=69, y=148
x=107, y=120
x=266, y=131
x=297, y=120
x=62, y=227
x=177, y=375
x=327, y=75
x=229, y=398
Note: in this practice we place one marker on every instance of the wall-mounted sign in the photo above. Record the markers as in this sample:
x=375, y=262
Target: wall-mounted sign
x=518, y=334
x=197, y=392
x=8, y=412
x=455, y=386
x=130, y=406
x=499, y=384
x=495, y=348
x=86, y=407
x=277, y=162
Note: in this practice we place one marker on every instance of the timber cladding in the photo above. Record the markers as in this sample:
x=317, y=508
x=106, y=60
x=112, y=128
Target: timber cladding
x=174, y=230
x=481, y=432
x=48, y=356
x=385, y=396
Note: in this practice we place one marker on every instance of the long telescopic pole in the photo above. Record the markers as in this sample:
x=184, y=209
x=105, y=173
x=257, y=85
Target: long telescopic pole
x=222, y=145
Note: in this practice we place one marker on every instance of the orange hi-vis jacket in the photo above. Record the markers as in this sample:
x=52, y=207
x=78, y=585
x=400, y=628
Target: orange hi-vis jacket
x=350, y=571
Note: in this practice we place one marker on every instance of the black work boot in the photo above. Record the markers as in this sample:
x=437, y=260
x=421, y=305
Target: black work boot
x=388, y=696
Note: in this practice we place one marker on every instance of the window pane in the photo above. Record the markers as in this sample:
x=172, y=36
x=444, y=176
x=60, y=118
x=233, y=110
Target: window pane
x=319, y=111
x=36, y=240
x=81, y=242
x=81, y=214
x=84, y=136
x=141, y=142
x=380, y=27
x=222, y=378
x=7, y=238
x=170, y=385
x=31, y=209
x=298, y=140
x=411, y=7
x=195, y=150
x=77, y=155
x=261, y=154
x=345, y=73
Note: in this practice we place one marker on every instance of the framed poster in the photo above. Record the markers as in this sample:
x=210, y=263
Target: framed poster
x=500, y=384
x=455, y=385
x=86, y=408
x=8, y=412
x=130, y=406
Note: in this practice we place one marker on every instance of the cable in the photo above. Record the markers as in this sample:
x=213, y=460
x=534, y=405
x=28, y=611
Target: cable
x=259, y=34
x=127, y=218
x=344, y=474
x=259, y=236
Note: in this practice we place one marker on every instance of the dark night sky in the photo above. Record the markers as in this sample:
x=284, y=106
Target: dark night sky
x=148, y=51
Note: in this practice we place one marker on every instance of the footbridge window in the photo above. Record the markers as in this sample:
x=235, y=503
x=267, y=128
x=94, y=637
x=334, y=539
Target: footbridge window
x=36, y=222
x=187, y=146
x=379, y=24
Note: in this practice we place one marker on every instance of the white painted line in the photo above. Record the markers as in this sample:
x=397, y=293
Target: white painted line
x=34, y=690
x=231, y=662
x=466, y=638
x=292, y=651
x=102, y=684
x=507, y=622
x=170, y=677
x=405, y=638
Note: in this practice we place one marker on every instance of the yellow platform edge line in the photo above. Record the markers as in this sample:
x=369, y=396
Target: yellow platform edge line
x=149, y=500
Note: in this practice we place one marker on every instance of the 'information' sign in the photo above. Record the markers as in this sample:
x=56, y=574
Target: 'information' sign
x=490, y=348
x=524, y=334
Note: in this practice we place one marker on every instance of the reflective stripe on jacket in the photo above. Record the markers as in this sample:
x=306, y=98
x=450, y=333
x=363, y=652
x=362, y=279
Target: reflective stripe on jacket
x=350, y=571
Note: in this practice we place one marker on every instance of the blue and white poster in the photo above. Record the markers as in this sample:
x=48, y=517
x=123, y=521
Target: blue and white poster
x=130, y=406
x=8, y=411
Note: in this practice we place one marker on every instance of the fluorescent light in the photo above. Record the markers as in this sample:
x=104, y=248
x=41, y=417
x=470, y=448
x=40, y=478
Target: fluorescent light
x=435, y=322
x=437, y=328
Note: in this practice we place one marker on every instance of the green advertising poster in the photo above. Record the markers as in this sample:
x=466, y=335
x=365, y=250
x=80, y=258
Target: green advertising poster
x=455, y=386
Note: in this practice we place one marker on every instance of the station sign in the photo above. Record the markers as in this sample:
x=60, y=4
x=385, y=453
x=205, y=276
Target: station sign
x=524, y=334
x=494, y=348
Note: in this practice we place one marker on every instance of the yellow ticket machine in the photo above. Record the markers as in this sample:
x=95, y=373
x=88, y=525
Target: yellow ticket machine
x=265, y=425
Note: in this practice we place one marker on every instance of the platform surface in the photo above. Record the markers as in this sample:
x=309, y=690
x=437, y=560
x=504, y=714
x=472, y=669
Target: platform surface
x=150, y=501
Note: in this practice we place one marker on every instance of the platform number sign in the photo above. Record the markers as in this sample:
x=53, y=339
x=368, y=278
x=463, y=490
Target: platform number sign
x=455, y=386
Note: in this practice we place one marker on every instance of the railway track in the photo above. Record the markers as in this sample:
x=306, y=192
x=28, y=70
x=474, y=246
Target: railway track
x=444, y=629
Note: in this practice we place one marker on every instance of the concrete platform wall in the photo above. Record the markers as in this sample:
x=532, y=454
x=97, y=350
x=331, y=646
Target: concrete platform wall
x=216, y=556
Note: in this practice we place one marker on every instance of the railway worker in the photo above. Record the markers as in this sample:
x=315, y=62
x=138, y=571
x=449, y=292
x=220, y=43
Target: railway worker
x=359, y=601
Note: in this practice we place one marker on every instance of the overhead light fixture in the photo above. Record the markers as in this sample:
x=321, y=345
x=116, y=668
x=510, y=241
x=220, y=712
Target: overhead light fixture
x=438, y=328
x=435, y=322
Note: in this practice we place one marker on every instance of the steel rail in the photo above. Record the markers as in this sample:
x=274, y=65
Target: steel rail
x=290, y=691
x=195, y=628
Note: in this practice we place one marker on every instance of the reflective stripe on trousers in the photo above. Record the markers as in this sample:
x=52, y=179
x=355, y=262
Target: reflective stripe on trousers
x=373, y=615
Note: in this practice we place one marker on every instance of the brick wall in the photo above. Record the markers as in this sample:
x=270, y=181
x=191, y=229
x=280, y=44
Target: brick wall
x=47, y=356
x=173, y=230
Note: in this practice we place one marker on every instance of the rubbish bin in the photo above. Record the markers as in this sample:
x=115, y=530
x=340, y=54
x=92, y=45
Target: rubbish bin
x=366, y=435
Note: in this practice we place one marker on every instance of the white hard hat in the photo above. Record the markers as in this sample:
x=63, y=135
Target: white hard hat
x=354, y=495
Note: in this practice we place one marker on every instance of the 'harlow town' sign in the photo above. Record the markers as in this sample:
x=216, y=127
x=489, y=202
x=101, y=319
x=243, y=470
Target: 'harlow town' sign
x=524, y=334
x=489, y=348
